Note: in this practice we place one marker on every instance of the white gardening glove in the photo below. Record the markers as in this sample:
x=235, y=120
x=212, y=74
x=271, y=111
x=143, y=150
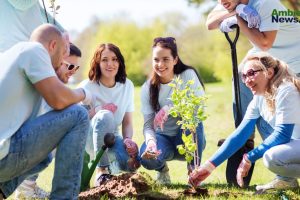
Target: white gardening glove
x=243, y=170
x=248, y=14
x=227, y=23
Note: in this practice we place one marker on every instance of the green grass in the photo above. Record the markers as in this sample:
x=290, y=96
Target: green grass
x=218, y=125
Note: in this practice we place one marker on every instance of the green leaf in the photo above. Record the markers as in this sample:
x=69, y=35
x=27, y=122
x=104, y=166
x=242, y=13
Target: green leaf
x=181, y=149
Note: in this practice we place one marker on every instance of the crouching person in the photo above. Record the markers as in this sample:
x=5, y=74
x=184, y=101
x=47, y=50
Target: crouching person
x=112, y=106
x=27, y=74
x=276, y=99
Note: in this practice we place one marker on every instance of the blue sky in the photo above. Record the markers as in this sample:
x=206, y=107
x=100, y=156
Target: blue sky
x=75, y=15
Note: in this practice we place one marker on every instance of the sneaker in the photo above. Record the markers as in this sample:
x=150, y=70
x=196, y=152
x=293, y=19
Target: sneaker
x=29, y=190
x=163, y=176
x=279, y=184
x=102, y=178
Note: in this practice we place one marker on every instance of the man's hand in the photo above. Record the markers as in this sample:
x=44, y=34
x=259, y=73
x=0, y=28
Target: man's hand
x=227, y=23
x=243, y=170
x=248, y=14
x=131, y=147
x=161, y=117
x=201, y=173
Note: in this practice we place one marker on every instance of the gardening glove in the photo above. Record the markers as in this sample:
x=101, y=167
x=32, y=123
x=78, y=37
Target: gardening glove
x=161, y=117
x=201, y=173
x=248, y=14
x=243, y=170
x=109, y=106
x=131, y=147
x=151, y=151
x=227, y=23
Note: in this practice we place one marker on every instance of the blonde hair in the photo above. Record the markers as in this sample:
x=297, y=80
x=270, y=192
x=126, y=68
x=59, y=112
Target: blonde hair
x=281, y=74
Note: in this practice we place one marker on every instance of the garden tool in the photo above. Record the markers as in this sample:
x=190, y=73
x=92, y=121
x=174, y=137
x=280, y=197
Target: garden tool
x=90, y=166
x=234, y=161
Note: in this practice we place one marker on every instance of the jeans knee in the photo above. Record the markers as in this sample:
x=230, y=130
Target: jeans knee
x=270, y=160
x=104, y=117
x=81, y=113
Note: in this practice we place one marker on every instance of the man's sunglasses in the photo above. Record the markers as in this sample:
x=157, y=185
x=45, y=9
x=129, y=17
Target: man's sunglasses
x=250, y=74
x=71, y=67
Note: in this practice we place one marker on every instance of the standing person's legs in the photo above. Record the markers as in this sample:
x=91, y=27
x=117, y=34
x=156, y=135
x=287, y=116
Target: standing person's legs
x=32, y=143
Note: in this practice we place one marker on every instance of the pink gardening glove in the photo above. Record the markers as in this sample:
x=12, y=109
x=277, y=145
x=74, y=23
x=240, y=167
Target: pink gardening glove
x=200, y=173
x=161, y=117
x=131, y=147
x=243, y=170
x=151, y=151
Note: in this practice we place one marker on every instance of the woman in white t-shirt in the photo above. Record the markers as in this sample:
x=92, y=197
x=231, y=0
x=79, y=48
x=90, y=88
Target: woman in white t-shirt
x=113, y=106
x=277, y=100
x=161, y=143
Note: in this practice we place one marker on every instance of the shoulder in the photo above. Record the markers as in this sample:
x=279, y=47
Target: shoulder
x=86, y=83
x=188, y=73
x=128, y=83
x=286, y=89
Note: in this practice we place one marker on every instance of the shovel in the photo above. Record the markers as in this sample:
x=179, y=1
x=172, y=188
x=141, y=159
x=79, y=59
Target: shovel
x=90, y=166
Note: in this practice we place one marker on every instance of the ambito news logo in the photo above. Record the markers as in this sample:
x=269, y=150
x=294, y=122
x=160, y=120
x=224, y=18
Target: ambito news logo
x=285, y=16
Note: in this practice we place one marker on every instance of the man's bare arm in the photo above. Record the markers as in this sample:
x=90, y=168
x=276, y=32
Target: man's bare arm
x=215, y=17
x=57, y=95
x=263, y=40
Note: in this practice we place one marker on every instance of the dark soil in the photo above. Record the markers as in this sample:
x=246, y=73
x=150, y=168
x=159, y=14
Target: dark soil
x=124, y=185
x=196, y=192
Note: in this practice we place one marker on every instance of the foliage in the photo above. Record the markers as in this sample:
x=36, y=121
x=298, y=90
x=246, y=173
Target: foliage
x=190, y=109
x=54, y=9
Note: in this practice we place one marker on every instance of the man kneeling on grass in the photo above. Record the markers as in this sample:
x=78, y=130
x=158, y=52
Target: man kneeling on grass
x=27, y=73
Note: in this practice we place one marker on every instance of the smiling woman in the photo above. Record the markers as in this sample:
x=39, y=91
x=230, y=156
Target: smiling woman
x=276, y=99
x=112, y=106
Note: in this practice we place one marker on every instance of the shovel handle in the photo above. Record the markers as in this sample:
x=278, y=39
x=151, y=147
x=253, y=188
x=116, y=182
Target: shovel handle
x=233, y=41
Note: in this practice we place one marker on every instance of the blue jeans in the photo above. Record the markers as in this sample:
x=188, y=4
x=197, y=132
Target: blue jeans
x=31, y=145
x=246, y=96
x=168, y=147
x=103, y=122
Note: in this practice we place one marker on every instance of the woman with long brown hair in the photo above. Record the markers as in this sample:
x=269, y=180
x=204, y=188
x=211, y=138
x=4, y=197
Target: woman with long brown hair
x=112, y=107
x=162, y=134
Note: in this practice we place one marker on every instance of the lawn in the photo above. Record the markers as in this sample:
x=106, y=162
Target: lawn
x=218, y=125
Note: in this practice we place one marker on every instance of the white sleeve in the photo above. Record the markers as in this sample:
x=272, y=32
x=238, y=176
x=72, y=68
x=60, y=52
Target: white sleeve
x=146, y=107
x=287, y=106
x=252, y=111
x=265, y=12
x=190, y=74
x=39, y=65
x=130, y=107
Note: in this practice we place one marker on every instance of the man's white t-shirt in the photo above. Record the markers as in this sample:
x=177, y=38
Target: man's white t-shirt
x=122, y=95
x=287, y=108
x=286, y=45
x=23, y=65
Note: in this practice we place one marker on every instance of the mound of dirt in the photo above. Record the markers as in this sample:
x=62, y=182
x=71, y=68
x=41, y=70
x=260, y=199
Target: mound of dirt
x=124, y=185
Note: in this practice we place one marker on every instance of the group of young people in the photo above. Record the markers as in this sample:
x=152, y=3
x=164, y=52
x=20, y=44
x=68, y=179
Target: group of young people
x=33, y=76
